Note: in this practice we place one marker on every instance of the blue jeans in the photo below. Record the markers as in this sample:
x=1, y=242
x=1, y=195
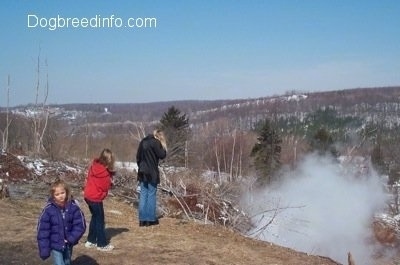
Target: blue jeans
x=62, y=257
x=147, y=201
x=97, y=233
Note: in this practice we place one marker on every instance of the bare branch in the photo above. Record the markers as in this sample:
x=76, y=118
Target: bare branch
x=276, y=211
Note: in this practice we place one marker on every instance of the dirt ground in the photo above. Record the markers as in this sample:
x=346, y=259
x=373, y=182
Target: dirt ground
x=174, y=241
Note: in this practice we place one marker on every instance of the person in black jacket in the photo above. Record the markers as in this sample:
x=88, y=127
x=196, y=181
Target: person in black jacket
x=151, y=149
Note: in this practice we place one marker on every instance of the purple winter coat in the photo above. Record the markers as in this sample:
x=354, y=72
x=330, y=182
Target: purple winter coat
x=52, y=228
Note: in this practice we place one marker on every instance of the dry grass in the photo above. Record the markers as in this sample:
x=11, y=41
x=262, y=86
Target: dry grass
x=172, y=242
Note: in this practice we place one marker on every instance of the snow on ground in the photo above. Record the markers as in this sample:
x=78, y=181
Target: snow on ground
x=129, y=166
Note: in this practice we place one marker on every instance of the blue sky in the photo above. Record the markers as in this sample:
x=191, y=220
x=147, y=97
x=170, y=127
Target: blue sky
x=197, y=49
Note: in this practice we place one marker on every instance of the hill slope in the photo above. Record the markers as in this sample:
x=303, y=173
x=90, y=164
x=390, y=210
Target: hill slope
x=172, y=242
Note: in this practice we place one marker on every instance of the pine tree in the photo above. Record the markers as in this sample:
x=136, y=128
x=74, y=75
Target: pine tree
x=322, y=142
x=267, y=151
x=176, y=128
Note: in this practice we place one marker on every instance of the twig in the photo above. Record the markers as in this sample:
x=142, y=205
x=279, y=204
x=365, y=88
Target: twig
x=278, y=208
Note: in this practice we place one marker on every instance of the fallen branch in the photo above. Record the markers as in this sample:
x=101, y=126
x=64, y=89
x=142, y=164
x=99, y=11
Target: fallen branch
x=275, y=210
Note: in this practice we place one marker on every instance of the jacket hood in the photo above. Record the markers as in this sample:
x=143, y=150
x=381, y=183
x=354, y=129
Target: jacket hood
x=99, y=170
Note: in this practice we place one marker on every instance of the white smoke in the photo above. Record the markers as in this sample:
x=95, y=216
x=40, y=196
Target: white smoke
x=321, y=209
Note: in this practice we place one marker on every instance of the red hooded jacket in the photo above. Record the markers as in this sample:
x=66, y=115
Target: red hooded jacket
x=98, y=182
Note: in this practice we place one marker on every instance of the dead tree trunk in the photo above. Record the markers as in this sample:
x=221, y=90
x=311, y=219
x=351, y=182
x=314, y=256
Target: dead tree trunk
x=8, y=122
x=217, y=158
x=40, y=114
x=232, y=156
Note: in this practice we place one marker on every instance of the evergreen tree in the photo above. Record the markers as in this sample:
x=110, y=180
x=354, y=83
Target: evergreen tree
x=176, y=128
x=266, y=152
x=322, y=142
x=326, y=123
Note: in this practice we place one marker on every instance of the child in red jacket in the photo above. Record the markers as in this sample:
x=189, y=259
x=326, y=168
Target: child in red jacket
x=98, y=183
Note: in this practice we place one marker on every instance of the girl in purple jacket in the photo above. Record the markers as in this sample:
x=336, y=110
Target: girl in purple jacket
x=61, y=224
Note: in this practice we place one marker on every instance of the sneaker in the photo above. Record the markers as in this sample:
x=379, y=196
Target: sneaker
x=106, y=248
x=90, y=244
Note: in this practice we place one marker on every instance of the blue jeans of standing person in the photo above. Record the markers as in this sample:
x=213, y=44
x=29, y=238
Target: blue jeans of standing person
x=62, y=257
x=97, y=233
x=147, y=202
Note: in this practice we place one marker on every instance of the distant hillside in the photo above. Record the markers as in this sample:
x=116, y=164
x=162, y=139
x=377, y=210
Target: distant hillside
x=84, y=128
x=351, y=102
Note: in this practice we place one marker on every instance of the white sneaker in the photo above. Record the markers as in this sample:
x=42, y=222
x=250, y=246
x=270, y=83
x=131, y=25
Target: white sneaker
x=90, y=244
x=109, y=247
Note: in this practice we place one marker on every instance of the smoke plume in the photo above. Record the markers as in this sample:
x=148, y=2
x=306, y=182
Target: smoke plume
x=321, y=208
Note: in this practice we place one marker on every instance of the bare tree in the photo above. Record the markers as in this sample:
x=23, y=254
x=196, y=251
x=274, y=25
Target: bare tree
x=8, y=121
x=41, y=114
x=87, y=134
x=232, y=155
x=45, y=110
x=217, y=159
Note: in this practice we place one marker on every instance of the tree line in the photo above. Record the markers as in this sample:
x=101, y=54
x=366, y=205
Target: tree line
x=222, y=145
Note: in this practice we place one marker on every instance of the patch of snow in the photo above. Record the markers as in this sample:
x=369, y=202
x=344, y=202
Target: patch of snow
x=129, y=166
x=115, y=212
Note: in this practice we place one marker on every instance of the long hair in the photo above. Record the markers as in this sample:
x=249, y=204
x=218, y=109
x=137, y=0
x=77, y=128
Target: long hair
x=60, y=183
x=159, y=135
x=107, y=159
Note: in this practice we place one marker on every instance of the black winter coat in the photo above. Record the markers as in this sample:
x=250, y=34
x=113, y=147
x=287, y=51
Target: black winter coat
x=148, y=155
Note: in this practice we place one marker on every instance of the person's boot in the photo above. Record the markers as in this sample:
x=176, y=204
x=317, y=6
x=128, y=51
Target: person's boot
x=156, y=222
x=143, y=223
